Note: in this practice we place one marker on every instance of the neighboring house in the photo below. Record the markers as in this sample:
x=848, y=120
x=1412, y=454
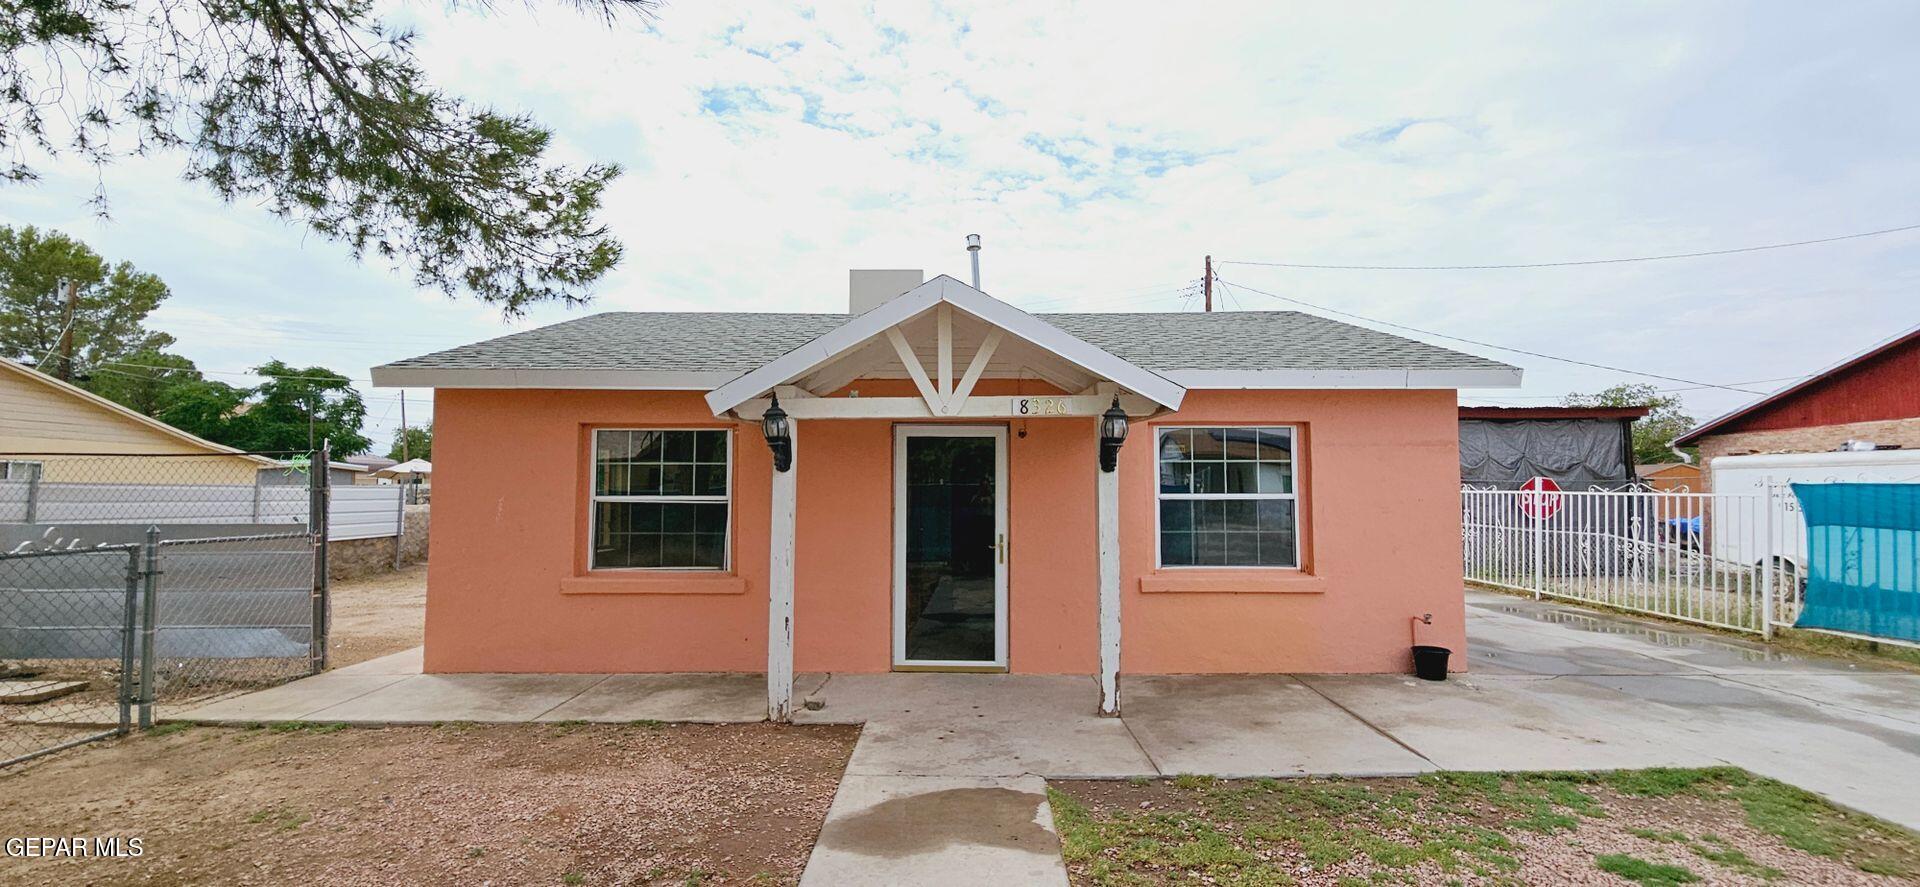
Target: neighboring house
x=1285, y=498
x=49, y=427
x=369, y=465
x=1670, y=477
x=1579, y=447
x=1869, y=400
x=339, y=473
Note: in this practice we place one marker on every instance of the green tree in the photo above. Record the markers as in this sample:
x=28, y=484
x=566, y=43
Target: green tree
x=419, y=444
x=296, y=409
x=320, y=112
x=145, y=381
x=108, y=314
x=1653, y=435
x=208, y=409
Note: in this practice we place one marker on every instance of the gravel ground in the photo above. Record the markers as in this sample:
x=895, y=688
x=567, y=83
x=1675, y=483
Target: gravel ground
x=379, y=614
x=553, y=804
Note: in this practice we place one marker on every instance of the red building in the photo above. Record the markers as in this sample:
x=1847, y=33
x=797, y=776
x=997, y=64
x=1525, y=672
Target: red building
x=1870, y=398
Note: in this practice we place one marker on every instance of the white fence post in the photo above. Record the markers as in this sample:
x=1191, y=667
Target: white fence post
x=1539, y=555
x=1768, y=581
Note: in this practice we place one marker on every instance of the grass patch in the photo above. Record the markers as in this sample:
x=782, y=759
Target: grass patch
x=1644, y=873
x=1442, y=826
x=282, y=818
x=1800, y=819
x=1737, y=860
x=1813, y=643
x=170, y=728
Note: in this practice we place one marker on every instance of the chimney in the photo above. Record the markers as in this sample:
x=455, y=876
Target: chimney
x=867, y=289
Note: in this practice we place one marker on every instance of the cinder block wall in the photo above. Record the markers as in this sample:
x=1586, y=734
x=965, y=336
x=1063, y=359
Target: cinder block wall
x=1814, y=439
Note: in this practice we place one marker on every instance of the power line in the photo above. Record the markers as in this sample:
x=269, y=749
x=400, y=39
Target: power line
x=1618, y=261
x=149, y=366
x=1659, y=390
x=1584, y=363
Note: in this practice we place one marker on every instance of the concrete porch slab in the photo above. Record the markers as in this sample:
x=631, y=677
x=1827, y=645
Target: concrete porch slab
x=1254, y=725
x=934, y=831
x=433, y=698
x=978, y=725
x=688, y=698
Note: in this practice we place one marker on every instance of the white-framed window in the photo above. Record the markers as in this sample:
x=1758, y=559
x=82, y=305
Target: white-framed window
x=662, y=499
x=1227, y=497
x=17, y=469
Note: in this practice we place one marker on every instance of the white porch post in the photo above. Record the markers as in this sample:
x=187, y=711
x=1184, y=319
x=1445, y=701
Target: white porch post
x=1107, y=507
x=780, y=590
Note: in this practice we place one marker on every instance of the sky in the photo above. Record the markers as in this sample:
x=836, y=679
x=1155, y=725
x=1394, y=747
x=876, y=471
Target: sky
x=1102, y=149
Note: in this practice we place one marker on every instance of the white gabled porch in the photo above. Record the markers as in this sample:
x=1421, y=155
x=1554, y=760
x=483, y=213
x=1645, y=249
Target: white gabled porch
x=945, y=337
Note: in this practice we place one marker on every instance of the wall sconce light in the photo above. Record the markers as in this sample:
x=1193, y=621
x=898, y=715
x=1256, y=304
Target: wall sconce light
x=1113, y=433
x=779, y=432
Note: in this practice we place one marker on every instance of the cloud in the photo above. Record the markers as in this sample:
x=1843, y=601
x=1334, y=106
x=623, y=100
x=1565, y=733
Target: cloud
x=1103, y=149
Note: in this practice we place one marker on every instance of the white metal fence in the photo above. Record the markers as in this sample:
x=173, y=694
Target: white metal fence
x=1727, y=560
x=356, y=512
x=364, y=511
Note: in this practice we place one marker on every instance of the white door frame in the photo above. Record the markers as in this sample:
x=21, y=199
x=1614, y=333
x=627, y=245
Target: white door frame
x=900, y=434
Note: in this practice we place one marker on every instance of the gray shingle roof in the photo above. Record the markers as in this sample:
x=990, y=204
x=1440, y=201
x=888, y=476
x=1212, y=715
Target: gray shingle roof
x=738, y=342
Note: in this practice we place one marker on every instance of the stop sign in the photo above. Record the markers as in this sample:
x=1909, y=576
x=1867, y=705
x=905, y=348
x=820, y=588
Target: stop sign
x=1540, y=498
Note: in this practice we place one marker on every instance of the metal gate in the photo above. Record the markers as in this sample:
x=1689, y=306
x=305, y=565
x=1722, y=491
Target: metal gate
x=135, y=587
x=1726, y=560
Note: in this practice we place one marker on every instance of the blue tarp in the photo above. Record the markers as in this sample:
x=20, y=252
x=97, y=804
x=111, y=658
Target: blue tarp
x=1863, y=558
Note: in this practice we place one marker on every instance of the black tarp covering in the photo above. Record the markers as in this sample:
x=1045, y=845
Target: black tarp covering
x=1577, y=453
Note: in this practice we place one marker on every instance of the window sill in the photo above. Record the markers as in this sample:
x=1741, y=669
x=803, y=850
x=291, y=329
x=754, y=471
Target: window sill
x=652, y=582
x=1203, y=580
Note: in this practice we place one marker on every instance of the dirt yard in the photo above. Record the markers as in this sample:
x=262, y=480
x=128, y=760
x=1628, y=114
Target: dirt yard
x=379, y=614
x=1655, y=828
x=555, y=804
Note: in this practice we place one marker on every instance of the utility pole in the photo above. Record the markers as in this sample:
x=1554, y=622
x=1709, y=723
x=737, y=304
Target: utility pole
x=1206, y=283
x=406, y=454
x=66, y=332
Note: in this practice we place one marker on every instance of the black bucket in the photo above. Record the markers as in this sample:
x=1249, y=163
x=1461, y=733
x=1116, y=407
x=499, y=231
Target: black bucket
x=1430, y=663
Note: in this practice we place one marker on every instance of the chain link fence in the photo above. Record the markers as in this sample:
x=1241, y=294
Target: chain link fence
x=133, y=587
x=68, y=636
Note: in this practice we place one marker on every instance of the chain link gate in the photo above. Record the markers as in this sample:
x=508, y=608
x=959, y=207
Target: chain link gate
x=138, y=587
x=67, y=647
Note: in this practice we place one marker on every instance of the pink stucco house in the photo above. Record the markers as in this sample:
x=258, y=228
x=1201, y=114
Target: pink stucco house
x=937, y=480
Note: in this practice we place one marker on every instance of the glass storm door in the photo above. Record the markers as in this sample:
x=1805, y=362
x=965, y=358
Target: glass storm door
x=949, y=547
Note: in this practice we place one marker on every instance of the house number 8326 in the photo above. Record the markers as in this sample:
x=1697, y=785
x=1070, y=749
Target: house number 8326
x=1042, y=406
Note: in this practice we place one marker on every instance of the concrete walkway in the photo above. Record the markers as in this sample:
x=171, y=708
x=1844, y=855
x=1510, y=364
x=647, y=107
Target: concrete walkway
x=945, y=784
